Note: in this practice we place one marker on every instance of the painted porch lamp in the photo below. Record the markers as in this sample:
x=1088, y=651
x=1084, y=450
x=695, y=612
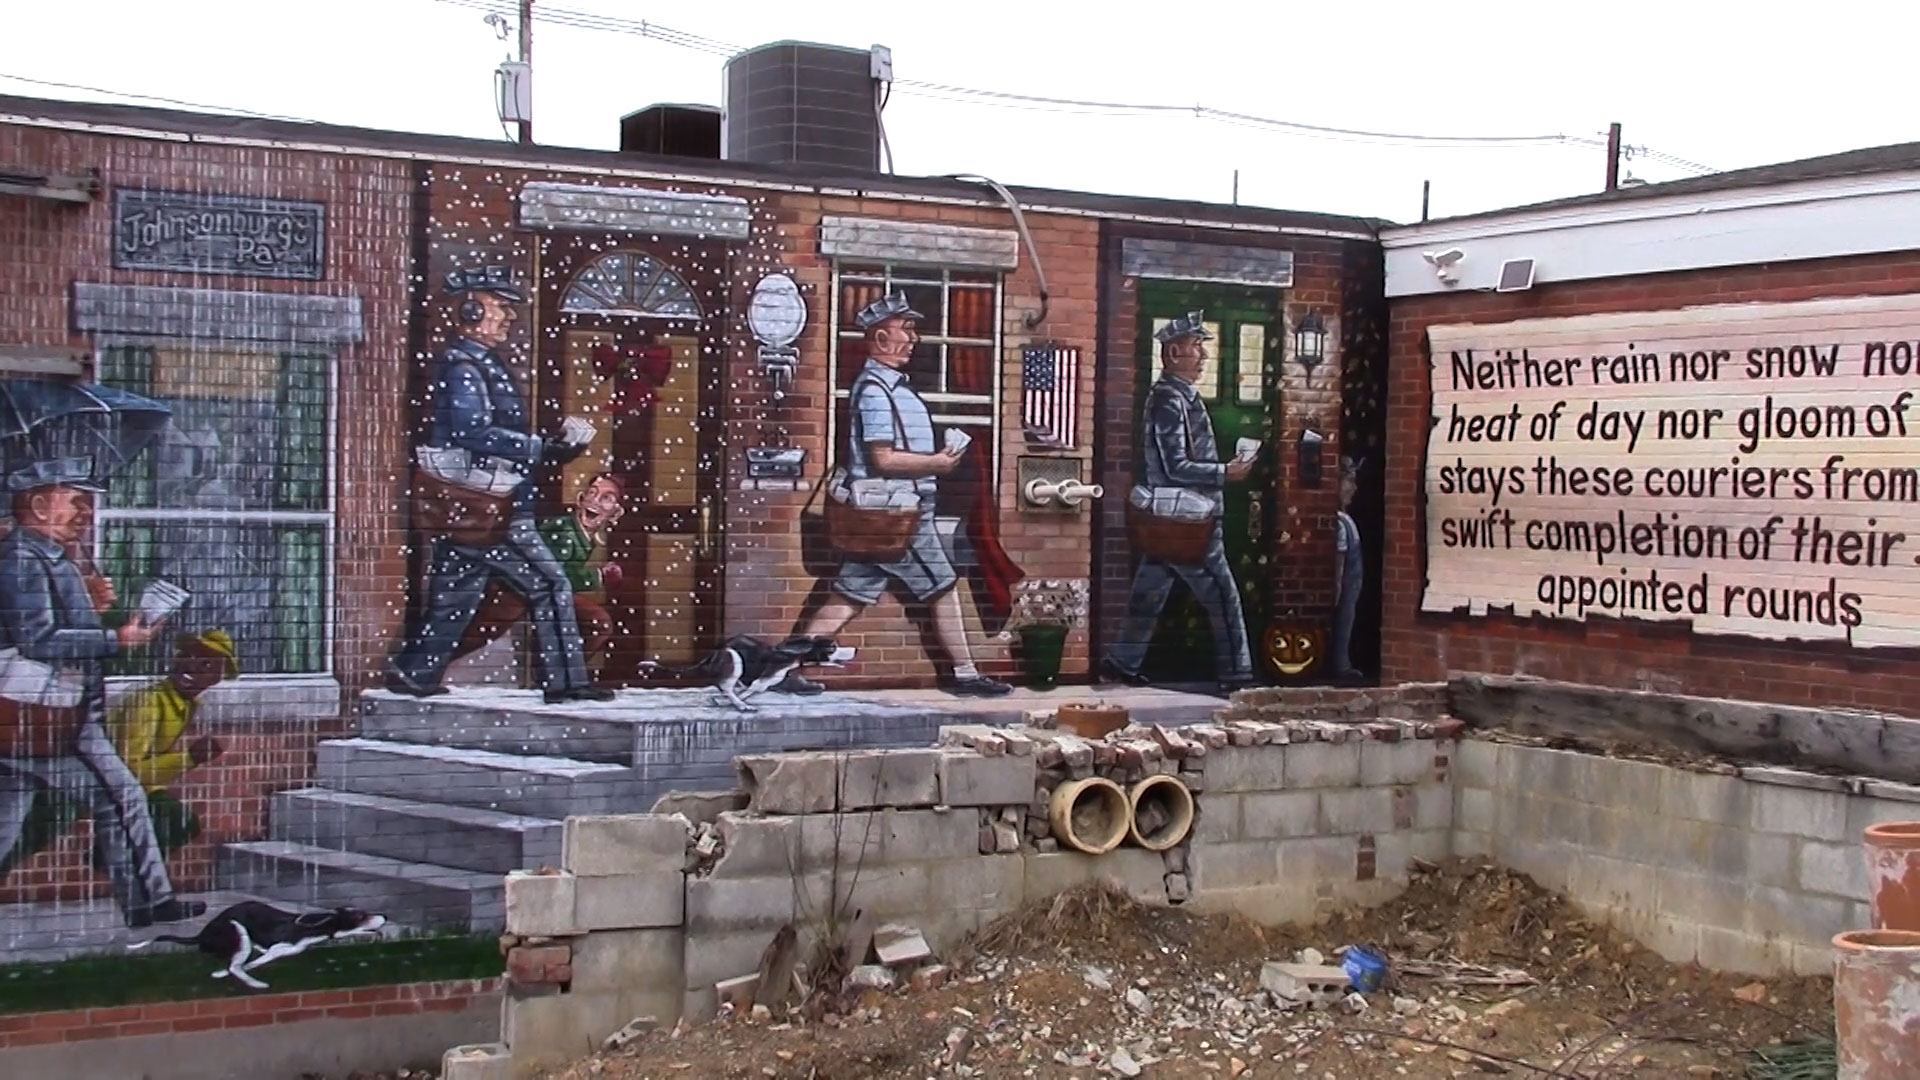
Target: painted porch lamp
x=1310, y=342
x=776, y=314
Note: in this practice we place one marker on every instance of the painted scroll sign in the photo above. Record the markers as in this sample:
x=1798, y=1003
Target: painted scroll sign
x=1751, y=469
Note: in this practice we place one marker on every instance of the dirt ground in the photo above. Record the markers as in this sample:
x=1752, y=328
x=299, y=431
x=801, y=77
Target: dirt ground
x=1091, y=985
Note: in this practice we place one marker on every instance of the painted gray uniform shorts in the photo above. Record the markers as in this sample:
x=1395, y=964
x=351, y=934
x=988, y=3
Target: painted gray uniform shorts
x=924, y=571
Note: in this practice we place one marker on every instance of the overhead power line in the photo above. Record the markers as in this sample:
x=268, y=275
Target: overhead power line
x=1040, y=103
x=154, y=97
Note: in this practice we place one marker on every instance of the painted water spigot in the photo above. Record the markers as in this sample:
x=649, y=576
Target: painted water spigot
x=1068, y=493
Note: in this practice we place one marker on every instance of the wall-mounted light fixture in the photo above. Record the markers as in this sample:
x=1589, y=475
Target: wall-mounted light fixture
x=1310, y=341
x=776, y=314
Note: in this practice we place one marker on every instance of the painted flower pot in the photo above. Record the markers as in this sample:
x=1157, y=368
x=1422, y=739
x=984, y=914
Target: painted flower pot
x=1876, y=1004
x=1040, y=650
x=1893, y=874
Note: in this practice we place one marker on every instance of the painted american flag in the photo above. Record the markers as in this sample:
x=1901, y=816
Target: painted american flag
x=1050, y=384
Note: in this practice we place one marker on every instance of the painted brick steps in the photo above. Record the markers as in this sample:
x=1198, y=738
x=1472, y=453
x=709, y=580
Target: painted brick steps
x=532, y=785
x=462, y=837
x=416, y=895
x=675, y=738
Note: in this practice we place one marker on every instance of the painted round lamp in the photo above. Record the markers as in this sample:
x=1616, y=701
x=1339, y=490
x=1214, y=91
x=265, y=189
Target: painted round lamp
x=776, y=314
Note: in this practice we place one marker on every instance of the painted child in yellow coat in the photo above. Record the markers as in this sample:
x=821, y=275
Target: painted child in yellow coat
x=149, y=727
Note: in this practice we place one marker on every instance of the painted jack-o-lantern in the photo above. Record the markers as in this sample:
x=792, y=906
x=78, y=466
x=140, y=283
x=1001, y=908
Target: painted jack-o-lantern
x=1294, y=650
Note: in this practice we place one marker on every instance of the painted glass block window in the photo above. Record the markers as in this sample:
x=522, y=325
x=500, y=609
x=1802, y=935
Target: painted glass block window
x=623, y=283
x=234, y=505
x=955, y=365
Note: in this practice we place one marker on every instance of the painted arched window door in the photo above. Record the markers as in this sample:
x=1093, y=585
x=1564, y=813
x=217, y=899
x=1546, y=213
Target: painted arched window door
x=626, y=283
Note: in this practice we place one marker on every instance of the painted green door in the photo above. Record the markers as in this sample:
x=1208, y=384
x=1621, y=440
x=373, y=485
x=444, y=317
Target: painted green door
x=1240, y=388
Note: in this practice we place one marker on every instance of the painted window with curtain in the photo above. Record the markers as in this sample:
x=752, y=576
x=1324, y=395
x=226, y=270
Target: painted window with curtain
x=955, y=366
x=234, y=505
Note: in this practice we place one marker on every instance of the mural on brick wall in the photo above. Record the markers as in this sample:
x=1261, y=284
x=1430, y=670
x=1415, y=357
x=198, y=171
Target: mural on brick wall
x=880, y=503
x=1175, y=513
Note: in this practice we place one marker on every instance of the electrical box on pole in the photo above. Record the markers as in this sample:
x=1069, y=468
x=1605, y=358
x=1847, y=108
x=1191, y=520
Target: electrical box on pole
x=514, y=80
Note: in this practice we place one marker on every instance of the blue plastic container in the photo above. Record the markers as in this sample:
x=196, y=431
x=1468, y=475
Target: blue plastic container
x=1366, y=968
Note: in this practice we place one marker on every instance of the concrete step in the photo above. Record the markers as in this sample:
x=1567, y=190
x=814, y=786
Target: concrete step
x=463, y=837
x=532, y=785
x=675, y=738
x=417, y=895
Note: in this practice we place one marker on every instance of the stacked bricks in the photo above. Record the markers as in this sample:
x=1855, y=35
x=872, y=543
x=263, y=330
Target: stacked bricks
x=227, y=1013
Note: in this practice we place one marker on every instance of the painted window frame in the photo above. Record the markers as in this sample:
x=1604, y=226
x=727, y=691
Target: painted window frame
x=325, y=675
x=665, y=271
x=924, y=274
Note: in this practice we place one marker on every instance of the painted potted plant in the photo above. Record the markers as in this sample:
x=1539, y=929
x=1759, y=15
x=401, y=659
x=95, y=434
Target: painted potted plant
x=1044, y=610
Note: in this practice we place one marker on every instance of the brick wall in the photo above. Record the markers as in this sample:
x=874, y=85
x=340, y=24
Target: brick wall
x=59, y=284
x=259, y=1010
x=1611, y=652
x=1339, y=279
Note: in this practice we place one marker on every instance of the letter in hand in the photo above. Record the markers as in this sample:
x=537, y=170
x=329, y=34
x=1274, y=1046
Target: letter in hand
x=1238, y=469
x=138, y=631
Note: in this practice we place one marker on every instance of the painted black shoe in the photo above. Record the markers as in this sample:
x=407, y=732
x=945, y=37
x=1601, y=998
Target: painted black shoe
x=1235, y=682
x=979, y=686
x=799, y=686
x=1111, y=671
x=400, y=684
x=578, y=693
x=166, y=911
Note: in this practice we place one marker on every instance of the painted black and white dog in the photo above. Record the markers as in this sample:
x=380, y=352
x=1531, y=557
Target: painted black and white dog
x=250, y=934
x=746, y=666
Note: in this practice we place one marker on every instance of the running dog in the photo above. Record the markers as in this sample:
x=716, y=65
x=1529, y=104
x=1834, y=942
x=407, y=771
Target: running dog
x=746, y=666
x=251, y=934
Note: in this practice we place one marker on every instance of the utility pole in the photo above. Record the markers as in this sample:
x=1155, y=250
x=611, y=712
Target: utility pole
x=1613, y=156
x=526, y=57
x=1236, y=187
x=1426, y=192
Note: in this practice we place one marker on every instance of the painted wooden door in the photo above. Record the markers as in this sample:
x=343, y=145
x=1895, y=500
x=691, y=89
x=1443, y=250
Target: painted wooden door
x=630, y=343
x=1241, y=390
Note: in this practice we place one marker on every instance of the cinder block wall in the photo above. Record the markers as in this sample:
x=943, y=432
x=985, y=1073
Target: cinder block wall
x=1753, y=872
x=1294, y=819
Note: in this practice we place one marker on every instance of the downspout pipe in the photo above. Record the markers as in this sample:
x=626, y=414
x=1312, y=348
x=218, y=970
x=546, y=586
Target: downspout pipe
x=1032, y=319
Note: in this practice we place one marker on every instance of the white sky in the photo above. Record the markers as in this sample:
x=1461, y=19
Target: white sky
x=1726, y=84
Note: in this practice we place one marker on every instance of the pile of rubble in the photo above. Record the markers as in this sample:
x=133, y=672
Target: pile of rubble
x=1487, y=975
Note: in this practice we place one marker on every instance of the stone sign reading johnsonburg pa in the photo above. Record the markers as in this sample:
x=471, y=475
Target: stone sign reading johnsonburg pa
x=219, y=234
x=1753, y=469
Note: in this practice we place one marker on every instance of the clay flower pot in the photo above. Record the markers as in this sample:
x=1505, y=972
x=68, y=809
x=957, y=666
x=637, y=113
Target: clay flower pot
x=1893, y=874
x=1876, y=1004
x=1090, y=720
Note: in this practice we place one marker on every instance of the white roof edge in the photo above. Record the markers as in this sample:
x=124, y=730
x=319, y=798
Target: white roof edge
x=1523, y=220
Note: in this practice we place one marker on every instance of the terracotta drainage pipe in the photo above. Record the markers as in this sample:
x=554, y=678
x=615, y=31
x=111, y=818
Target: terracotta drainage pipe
x=1161, y=812
x=1090, y=815
x=1876, y=1004
x=1893, y=874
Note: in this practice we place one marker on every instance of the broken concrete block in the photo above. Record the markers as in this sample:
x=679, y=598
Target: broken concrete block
x=1018, y=744
x=931, y=977
x=897, y=944
x=1006, y=839
x=790, y=783
x=757, y=845
x=738, y=991
x=871, y=977
x=972, y=780
x=624, y=844
x=1321, y=984
x=1179, y=889
x=1075, y=752
x=540, y=905
x=904, y=778
x=482, y=1061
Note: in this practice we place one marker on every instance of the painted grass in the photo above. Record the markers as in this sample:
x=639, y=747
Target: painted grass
x=137, y=978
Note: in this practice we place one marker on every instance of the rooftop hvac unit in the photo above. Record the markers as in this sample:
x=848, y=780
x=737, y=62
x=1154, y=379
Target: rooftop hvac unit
x=795, y=103
x=675, y=130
